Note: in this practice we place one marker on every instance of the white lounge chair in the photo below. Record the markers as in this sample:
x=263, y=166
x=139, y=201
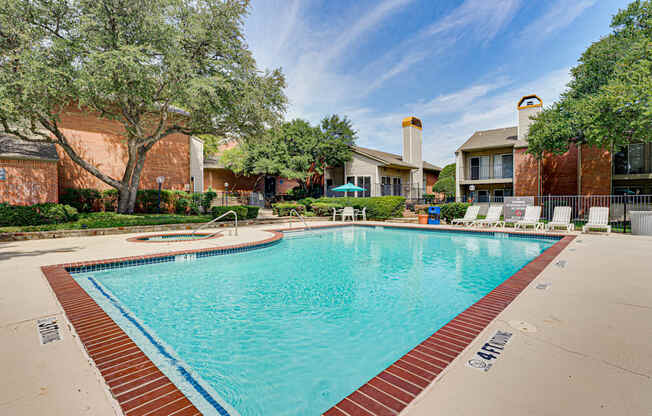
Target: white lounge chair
x=598, y=218
x=561, y=217
x=492, y=218
x=470, y=215
x=531, y=217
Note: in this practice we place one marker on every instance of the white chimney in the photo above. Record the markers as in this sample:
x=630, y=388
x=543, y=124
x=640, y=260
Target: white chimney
x=412, y=141
x=528, y=106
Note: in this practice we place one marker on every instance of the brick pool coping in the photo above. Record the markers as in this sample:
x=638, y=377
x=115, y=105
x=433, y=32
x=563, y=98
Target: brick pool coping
x=140, y=388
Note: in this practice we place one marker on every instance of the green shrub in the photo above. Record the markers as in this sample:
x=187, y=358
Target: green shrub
x=194, y=208
x=453, y=210
x=207, y=199
x=239, y=209
x=306, y=202
x=283, y=209
x=84, y=200
x=378, y=207
x=252, y=212
x=181, y=206
x=18, y=215
x=325, y=209
x=56, y=213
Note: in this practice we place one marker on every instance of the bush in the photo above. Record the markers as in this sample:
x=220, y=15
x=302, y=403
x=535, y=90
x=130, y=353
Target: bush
x=48, y=213
x=306, y=202
x=56, y=213
x=181, y=206
x=252, y=212
x=282, y=209
x=84, y=200
x=207, y=199
x=325, y=209
x=453, y=210
x=194, y=208
x=378, y=207
x=239, y=209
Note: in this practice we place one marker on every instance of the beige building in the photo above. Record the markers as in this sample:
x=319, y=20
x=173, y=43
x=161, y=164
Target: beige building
x=381, y=173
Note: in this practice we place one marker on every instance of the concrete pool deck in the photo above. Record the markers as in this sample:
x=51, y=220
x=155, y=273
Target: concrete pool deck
x=591, y=351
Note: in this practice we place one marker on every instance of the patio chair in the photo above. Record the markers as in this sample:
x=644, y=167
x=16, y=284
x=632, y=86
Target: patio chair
x=561, y=217
x=361, y=213
x=598, y=218
x=493, y=217
x=531, y=217
x=346, y=212
x=470, y=215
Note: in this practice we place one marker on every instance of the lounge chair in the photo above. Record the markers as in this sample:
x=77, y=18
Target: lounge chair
x=531, y=217
x=470, y=215
x=493, y=217
x=598, y=218
x=561, y=217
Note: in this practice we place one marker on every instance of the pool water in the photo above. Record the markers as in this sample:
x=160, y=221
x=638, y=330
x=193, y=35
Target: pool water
x=293, y=328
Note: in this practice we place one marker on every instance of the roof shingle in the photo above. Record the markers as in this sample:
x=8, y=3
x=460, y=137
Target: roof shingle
x=13, y=148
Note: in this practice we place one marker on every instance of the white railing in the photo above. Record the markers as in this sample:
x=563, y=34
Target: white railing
x=217, y=219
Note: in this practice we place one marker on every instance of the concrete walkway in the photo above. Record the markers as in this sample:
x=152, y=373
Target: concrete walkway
x=591, y=352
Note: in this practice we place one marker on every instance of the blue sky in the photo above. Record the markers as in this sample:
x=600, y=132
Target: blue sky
x=458, y=65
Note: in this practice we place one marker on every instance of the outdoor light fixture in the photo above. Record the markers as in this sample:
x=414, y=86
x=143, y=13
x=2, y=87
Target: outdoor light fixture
x=226, y=193
x=159, y=180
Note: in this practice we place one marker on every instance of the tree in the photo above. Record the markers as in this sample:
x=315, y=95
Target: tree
x=609, y=98
x=134, y=62
x=294, y=150
x=446, y=182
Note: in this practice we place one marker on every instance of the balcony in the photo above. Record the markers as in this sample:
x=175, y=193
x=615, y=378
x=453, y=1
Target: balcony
x=483, y=174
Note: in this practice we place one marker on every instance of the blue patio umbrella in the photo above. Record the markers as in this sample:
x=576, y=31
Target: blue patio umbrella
x=347, y=188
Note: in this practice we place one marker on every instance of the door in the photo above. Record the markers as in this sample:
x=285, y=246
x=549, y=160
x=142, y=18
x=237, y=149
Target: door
x=270, y=186
x=397, y=187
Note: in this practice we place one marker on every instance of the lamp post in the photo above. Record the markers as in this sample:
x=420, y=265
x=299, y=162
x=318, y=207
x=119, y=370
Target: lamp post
x=159, y=180
x=226, y=193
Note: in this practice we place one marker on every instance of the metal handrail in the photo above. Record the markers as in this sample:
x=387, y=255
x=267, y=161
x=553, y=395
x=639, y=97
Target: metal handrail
x=305, y=224
x=218, y=218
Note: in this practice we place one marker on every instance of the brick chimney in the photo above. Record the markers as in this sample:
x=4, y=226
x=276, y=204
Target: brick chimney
x=412, y=141
x=528, y=106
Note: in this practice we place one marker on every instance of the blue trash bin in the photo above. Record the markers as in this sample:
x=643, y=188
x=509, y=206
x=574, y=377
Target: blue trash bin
x=433, y=215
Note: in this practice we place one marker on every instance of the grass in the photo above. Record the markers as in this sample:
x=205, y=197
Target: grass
x=111, y=220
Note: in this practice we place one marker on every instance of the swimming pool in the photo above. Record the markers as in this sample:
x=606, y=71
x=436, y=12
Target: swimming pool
x=294, y=327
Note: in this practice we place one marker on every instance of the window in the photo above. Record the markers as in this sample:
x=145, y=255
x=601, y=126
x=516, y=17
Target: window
x=480, y=167
x=630, y=159
x=396, y=188
x=364, y=182
x=483, y=195
x=385, y=185
x=503, y=166
x=351, y=180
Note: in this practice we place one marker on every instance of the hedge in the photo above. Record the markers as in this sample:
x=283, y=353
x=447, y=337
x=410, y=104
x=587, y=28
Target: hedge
x=84, y=199
x=378, y=207
x=453, y=210
x=324, y=209
x=239, y=209
x=252, y=212
x=48, y=213
x=283, y=209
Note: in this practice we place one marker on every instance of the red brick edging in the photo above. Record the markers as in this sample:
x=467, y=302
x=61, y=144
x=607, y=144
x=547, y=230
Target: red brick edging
x=395, y=387
x=141, y=389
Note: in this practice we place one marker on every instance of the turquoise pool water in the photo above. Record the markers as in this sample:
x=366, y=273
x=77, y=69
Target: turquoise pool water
x=292, y=328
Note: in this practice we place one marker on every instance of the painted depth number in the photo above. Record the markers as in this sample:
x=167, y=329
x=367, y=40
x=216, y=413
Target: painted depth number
x=490, y=351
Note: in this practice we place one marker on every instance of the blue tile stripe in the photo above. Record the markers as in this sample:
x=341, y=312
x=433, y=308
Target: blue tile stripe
x=161, y=349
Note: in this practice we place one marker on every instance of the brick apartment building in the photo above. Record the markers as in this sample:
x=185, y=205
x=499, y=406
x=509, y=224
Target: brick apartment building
x=38, y=172
x=495, y=163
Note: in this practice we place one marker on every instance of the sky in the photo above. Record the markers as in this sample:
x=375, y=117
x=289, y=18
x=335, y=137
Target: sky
x=460, y=66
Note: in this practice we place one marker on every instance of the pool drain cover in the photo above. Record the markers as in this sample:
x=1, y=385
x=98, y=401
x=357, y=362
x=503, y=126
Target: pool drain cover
x=543, y=286
x=561, y=263
x=48, y=330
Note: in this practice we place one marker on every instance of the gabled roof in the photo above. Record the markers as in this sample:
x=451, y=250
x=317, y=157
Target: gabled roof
x=391, y=159
x=491, y=139
x=12, y=148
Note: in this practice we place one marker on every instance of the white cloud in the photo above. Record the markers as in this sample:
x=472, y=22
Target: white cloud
x=560, y=15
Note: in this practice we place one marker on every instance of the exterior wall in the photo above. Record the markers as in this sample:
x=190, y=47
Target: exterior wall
x=595, y=171
x=215, y=179
x=526, y=180
x=29, y=182
x=459, y=175
x=431, y=178
x=524, y=120
x=283, y=185
x=559, y=173
x=412, y=152
x=197, y=164
x=490, y=152
x=101, y=142
x=363, y=166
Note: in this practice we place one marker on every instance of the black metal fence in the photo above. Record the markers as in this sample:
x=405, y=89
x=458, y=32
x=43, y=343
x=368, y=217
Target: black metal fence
x=619, y=206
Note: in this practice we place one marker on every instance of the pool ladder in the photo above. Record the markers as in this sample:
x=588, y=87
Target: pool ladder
x=235, y=214
x=303, y=220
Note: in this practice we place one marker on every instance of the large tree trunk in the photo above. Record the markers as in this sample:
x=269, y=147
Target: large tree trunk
x=131, y=181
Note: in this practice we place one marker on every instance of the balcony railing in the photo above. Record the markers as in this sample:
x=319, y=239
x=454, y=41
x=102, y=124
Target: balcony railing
x=476, y=173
